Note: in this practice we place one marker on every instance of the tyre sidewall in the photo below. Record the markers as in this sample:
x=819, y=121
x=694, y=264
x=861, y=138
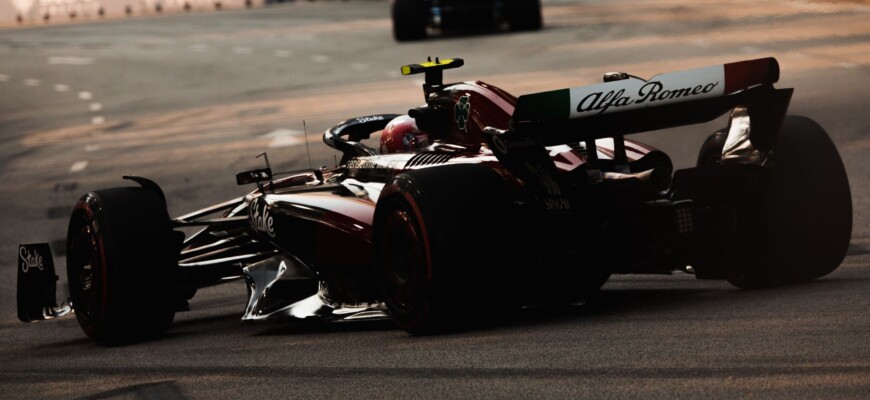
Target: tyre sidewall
x=462, y=209
x=138, y=268
x=804, y=222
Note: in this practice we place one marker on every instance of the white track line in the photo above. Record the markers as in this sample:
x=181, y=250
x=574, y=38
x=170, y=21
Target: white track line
x=4, y=78
x=98, y=120
x=61, y=88
x=70, y=61
x=96, y=107
x=283, y=53
x=92, y=147
x=285, y=138
x=32, y=82
x=242, y=50
x=78, y=166
x=320, y=58
x=86, y=95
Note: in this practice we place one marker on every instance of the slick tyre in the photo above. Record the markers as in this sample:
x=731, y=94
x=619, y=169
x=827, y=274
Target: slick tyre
x=441, y=247
x=122, y=263
x=524, y=15
x=410, y=18
x=807, y=218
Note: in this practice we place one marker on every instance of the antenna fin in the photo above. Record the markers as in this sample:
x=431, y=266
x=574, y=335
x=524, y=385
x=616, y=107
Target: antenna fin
x=307, y=150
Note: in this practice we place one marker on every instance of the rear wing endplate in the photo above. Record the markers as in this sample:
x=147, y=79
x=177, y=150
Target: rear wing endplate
x=635, y=105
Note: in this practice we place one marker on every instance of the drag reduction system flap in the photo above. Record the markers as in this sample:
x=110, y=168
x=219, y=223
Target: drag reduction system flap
x=630, y=104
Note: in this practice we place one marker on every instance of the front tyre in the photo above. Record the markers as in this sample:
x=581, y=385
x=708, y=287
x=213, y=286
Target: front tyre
x=121, y=264
x=807, y=210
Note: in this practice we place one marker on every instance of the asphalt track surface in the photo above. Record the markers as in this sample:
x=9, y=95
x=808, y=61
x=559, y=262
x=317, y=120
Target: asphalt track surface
x=188, y=100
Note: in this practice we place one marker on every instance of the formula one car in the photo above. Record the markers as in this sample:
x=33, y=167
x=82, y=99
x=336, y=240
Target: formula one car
x=474, y=203
x=412, y=18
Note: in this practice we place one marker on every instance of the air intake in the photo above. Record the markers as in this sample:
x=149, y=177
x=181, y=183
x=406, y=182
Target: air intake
x=428, y=158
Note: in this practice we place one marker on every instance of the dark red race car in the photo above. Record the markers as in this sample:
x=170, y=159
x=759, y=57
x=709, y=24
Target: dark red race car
x=476, y=203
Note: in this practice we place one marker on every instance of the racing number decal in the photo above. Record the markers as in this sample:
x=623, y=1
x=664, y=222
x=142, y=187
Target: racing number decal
x=461, y=109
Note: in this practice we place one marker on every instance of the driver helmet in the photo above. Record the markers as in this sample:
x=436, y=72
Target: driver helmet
x=402, y=136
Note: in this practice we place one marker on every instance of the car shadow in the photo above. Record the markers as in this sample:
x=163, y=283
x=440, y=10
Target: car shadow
x=664, y=296
x=620, y=300
x=281, y=328
x=627, y=301
x=607, y=303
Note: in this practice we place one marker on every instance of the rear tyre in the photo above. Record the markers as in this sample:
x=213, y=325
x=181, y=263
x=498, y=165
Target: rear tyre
x=524, y=15
x=441, y=250
x=410, y=18
x=807, y=218
x=121, y=264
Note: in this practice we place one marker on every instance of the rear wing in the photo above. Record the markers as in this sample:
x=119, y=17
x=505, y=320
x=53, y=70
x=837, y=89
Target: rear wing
x=631, y=105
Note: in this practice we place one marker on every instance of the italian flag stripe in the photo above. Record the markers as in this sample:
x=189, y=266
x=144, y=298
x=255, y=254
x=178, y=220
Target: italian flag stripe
x=743, y=74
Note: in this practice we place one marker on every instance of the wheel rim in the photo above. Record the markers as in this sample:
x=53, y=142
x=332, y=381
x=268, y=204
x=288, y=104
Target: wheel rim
x=86, y=280
x=404, y=260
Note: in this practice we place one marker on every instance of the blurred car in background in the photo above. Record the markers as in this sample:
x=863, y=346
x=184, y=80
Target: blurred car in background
x=412, y=18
